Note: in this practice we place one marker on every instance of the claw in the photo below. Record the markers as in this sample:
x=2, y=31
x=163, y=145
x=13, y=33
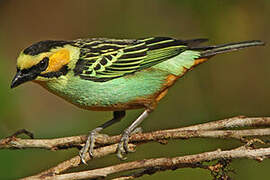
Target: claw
x=125, y=143
x=82, y=157
x=83, y=151
x=122, y=147
x=121, y=151
x=89, y=145
x=92, y=142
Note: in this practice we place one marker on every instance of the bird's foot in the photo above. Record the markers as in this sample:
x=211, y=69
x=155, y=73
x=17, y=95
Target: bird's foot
x=122, y=147
x=90, y=144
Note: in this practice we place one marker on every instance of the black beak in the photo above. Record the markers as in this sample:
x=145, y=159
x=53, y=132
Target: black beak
x=20, y=78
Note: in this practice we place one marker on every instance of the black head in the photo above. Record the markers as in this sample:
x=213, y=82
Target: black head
x=42, y=61
x=43, y=46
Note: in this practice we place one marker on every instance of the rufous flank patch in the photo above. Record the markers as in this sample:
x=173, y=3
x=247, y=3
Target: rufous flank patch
x=199, y=61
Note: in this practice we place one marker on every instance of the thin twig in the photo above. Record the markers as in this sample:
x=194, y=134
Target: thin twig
x=61, y=143
x=221, y=166
x=76, y=161
x=186, y=132
x=170, y=163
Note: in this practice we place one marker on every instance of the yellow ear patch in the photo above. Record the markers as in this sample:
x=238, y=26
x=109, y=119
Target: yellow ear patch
x=57, y=60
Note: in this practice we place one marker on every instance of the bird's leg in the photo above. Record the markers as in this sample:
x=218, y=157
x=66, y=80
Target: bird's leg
x=123, y=144
x=90, y=143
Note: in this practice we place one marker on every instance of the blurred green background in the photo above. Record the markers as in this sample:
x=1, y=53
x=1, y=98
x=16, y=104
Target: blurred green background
x=233, y=84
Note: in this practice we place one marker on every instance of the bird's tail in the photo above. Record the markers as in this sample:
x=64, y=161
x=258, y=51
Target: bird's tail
x=209, y=51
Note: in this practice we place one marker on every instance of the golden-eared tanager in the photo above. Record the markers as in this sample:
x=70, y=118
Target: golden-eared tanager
x=114, y=74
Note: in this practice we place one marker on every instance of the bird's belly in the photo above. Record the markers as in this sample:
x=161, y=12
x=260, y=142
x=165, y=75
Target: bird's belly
x=129, y=92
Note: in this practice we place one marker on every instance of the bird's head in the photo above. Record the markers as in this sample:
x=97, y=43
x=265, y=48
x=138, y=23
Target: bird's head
x=44, y=61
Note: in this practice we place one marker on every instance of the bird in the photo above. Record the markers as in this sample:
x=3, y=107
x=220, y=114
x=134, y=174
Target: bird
x=104, y=74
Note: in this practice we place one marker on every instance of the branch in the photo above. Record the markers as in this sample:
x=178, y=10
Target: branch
x=76, y=161
x=201, y=130
x=103, y=151
x=168, y=163
x=107, y=145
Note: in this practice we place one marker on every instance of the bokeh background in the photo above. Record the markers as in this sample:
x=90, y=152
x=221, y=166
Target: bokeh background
x=228, y=85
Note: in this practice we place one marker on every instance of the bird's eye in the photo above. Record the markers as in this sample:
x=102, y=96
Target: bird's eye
x=43, y=64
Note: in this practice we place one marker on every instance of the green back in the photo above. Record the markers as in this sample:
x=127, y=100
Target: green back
x=107, y=59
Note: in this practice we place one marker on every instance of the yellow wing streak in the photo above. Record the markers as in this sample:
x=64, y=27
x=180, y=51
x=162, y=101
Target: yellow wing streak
x=108, y=59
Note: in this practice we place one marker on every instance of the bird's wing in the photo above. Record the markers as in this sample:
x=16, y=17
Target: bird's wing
x=105, y=59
